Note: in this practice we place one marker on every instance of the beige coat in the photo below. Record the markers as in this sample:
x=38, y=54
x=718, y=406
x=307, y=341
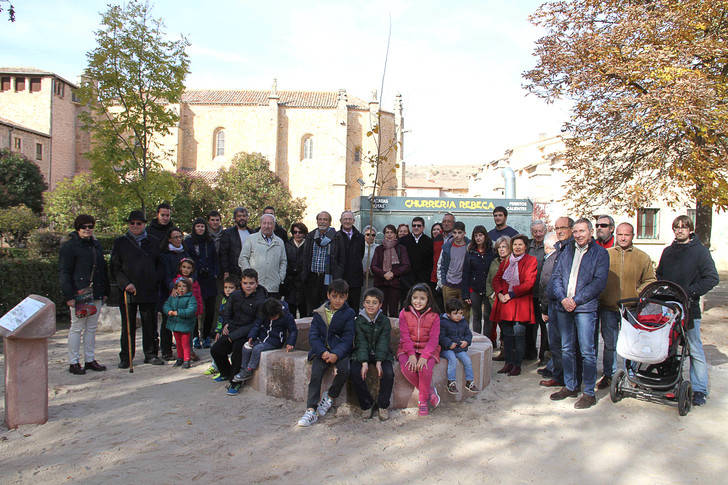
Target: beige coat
x=630, y=271
x=269, y=260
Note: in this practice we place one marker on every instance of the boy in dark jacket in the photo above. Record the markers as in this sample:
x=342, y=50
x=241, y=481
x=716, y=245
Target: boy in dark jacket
x=372, y=346
x=239, y=316
x=269, y=333
x=331, y=338
x=229, y=286
x=455, y=338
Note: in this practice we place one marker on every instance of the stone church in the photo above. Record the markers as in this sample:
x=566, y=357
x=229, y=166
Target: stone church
x=316, y=141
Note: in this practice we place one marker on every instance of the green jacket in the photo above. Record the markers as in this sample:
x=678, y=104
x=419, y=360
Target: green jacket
x=372, y=341
x=186, y=307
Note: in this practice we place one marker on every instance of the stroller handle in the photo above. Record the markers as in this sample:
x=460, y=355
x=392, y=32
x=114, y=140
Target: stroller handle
x=672, y=306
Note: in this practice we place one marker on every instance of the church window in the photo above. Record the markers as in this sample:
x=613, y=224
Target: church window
x=220, y=143
x=307, y=147
x=647, y=223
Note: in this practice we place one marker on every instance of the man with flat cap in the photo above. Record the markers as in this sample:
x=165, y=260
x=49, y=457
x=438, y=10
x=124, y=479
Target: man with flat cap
x=136, y=270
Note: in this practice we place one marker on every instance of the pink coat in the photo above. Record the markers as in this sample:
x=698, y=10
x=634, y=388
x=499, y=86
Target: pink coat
x=419, y=334
x=197, y=292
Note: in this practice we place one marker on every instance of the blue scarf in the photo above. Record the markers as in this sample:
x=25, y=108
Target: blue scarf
x=138, y=239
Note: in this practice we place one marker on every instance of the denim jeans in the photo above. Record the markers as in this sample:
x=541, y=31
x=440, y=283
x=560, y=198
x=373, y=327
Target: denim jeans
x=698, y=364
x=452, y=362
x=609, y=322
x=251, y=357
x=514, y=342
x=578, y=327
x=555, y=365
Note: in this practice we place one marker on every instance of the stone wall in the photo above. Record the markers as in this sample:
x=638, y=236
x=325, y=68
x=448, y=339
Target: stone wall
x=28, y=142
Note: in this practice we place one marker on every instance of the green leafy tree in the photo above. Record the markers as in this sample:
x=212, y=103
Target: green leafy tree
x=21, y=181
x=16, y=223
x=649, y=86
x=134, y=76
x=251, y=184
x=194, y=198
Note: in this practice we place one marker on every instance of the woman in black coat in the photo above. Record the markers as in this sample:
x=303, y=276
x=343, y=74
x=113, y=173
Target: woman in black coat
x=293, y=286
x=172, y=254
x=201, y=247
x=81, y=263
x=475, y=273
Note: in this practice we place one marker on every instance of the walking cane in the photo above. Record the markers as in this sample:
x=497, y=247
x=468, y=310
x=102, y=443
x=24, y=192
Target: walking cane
x=128, y=331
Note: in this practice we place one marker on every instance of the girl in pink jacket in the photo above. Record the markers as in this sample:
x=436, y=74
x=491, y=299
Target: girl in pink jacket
x=419, y=351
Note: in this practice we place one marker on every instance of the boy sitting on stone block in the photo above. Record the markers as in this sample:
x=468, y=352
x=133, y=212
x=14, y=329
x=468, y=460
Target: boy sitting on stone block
x=275, y=327
x=331, y=337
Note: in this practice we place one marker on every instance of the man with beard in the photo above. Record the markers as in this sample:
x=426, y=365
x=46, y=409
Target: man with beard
x=317, y=261
x=347, y=257
x=231, y=243
x=605, y=231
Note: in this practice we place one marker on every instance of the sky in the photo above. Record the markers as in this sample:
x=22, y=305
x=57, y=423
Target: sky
x=457, y=65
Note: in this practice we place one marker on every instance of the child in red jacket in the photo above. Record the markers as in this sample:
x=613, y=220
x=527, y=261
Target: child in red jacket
x=419, y=351
x=186, y=269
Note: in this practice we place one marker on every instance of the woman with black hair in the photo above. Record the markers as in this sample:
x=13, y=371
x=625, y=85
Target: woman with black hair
x=475, y=273
x=201, y=247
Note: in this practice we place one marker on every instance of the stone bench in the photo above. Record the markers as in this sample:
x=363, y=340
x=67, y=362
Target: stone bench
x=286, y=374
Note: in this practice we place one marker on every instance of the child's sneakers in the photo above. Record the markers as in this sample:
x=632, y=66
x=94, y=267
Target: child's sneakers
x=434, y=397
x=206, y=343
x=186, y=364
x=233, y=389
x=242, y=376
x=324, y=405
x=470, y=386
x=424, y=410
x=452, y=387
x=196, y=343
x=177, y=363
x=308, y=418
x=220, y=378
x=212, y=370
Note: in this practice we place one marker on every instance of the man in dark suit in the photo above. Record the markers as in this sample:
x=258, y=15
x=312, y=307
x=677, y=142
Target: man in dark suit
x=420, y=252
x=231, y=243
x=347, y=255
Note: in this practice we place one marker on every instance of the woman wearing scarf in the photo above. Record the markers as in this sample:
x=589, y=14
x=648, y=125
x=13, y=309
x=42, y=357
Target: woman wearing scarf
x=201, y=247
x=513, y=307
x=389, y=263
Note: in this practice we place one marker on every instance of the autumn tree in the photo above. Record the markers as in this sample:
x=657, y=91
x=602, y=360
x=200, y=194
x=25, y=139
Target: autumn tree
x=648, y=80
x=251, y=184
x=134, y=77
x=21, y=182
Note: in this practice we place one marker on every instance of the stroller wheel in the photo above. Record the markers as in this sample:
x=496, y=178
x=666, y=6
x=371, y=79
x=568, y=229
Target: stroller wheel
x=684, y=398
x=615, y=388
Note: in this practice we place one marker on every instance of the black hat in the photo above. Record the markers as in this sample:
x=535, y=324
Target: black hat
x=136, y=216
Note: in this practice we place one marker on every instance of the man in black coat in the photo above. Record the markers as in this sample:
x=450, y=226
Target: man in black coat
x=136, y=268
x=160, y=225
x=231, y=243
x=347, y=255
x=689, y=264
x=317, y=256
x=420, y=252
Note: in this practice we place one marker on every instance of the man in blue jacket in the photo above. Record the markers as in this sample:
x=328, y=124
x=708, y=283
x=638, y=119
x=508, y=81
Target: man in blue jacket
x=579, y=277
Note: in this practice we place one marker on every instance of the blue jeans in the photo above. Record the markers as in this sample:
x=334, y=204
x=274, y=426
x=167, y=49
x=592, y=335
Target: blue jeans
x=609, y=320
x=555, y=365
x=251, y=357
x=452, y=358
x=573, y=326
x=698, y=364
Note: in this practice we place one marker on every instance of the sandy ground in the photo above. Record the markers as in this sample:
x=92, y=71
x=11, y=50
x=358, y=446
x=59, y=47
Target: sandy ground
x=166, y=425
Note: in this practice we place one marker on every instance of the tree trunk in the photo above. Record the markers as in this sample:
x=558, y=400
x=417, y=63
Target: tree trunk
x=703, y=222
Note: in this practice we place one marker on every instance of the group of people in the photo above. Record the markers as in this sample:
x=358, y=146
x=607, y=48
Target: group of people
x=238, y=291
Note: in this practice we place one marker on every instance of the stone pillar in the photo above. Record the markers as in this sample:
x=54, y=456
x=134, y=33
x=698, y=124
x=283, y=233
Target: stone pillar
x=25, y=330
x=272, y=149
x=399, y=134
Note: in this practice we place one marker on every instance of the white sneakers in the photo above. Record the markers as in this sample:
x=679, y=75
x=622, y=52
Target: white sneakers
x=311, y=416
x=324, y=405
x=308, y=418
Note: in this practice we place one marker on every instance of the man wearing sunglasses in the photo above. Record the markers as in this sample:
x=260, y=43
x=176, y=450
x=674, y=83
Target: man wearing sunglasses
x=689, y=264
x=420, y=251
x=136, y=269
x=605, y=231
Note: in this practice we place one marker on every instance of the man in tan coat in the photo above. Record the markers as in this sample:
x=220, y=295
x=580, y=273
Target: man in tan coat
x=630, y=270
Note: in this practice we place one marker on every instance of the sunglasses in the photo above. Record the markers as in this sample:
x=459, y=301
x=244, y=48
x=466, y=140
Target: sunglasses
x=297, y=232
x=87, y=226
x=418, y=225
x=136, y=223
x=369, y=234
x=602, y=226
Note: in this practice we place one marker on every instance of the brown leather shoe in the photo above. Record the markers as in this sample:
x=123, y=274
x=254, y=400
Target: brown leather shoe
x=563, y=393
x=585, y=401
x=506, y=369
x=93, y=365
x=515, y=371
x=604, y=382
x=76, y=369
x=550, y=383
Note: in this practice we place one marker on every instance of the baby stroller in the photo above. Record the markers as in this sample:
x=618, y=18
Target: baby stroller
x=653, y=342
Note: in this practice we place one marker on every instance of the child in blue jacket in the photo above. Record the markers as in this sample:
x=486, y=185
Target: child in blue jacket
x=331, y=338
x=455, y=338
x=276, y=326
x=181, y=309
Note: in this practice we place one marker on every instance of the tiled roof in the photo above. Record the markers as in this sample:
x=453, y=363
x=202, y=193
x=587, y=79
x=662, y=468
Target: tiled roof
x=446, y=177
x=30, y=71
x=7, y=122
x=252, y=97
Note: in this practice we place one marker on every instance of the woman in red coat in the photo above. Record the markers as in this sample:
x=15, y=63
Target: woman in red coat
x=513, y=307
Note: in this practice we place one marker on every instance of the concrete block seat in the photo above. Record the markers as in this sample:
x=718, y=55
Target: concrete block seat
x=286, y=374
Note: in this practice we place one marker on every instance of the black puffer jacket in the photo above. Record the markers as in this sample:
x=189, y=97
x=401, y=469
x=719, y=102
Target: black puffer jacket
x=76, y=260
x=159, y=231
x=241, y=312
x=138, y=265
x=294, y=268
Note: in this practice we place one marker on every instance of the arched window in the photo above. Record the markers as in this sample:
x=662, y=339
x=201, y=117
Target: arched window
x=220, y=143
x=307, y=147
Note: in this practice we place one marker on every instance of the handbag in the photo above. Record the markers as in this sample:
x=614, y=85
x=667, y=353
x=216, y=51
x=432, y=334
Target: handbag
x=84, y=298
